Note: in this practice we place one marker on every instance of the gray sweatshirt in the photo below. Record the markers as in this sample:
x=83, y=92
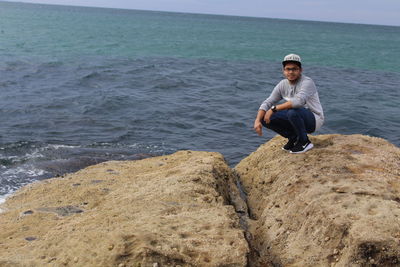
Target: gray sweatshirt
x=302, y=94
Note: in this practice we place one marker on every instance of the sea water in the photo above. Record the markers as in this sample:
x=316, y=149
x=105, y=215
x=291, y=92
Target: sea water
x=83, y=85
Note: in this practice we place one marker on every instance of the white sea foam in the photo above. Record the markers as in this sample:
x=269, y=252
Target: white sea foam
x=2, y=200
x=31, y=171
x=61, y=146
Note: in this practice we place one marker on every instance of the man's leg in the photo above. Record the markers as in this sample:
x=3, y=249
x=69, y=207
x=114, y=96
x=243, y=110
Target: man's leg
x=293, y=124
x=303, y=122
x=280, y=124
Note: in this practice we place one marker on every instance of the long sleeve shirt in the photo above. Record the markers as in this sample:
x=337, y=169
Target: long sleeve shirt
x=302, y=94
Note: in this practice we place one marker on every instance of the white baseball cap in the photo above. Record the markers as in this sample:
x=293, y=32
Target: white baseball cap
x=292, y=58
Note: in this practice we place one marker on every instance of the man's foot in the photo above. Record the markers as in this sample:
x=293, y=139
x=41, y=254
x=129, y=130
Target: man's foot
x=289, y=145
x=301, y=147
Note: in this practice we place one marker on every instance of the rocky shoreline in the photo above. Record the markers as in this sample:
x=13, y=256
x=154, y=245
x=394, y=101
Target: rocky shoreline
x=336, y=205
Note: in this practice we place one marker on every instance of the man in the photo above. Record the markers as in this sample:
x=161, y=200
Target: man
x=301, y=113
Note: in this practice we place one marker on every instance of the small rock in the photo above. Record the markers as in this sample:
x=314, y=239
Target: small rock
x=372, y=261
x=335, y=251
x=110, y=247
x=52, y=259
x=76, y=259
x=62, y=211
x=121, y=265
x=327, y=238
x=28, y=212
x=30, y=238
x=155, y=264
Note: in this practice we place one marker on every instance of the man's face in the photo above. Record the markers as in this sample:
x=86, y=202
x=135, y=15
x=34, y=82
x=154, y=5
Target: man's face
x=292, y=72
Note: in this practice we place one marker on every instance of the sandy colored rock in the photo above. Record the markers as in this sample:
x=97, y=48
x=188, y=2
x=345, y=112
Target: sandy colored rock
x=336, y=205
x=163, y=211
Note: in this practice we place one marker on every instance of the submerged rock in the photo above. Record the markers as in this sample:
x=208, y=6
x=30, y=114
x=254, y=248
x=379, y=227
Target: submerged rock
x=169, y=210
x=336, y=205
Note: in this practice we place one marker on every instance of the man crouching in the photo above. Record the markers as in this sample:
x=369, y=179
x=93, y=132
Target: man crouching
x=301, y=113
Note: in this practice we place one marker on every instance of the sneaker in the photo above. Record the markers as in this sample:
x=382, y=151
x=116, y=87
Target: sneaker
x=289, y=145
x=301, y=147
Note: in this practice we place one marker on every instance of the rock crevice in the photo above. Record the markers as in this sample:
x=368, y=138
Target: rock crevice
x=332, y=206
x=336, y=205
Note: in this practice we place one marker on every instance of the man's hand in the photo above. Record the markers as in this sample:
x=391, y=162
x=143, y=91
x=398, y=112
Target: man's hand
x=267, y=116
x=258, y=127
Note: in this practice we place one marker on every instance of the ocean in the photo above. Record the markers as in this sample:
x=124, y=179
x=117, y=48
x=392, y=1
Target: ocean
x=81, y=85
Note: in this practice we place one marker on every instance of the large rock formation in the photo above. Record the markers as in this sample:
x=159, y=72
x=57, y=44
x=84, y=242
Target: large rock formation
x=164, y=211
x=336, y=205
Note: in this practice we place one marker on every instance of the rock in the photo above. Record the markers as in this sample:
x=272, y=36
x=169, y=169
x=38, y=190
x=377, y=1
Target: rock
x=175, y=213
x=62, y=211
x=336, y=205
x=347, y=188
x=28, y=212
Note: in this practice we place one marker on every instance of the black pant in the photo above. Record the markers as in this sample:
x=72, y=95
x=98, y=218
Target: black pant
x=292, y=123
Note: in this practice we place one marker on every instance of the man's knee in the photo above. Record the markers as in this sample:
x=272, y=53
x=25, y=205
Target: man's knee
x=293, y=113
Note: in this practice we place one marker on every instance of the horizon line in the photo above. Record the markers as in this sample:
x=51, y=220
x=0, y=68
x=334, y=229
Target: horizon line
x=196, y=13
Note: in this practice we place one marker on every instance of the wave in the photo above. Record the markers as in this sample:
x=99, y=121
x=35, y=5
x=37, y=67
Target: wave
x=24, y=162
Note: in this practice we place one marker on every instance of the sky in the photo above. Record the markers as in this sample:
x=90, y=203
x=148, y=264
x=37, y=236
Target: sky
x=381, y=12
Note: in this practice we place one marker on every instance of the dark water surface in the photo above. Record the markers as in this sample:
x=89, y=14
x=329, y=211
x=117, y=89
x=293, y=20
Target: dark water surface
x=84, y=85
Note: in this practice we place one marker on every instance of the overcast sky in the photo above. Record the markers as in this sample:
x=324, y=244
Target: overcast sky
x=384, y=12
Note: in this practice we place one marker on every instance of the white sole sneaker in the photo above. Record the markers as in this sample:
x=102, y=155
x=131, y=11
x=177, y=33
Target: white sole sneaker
x=308, y=147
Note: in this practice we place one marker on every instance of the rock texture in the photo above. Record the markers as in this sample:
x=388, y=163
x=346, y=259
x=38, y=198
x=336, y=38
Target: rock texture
x=164, y=211
x=336, y=205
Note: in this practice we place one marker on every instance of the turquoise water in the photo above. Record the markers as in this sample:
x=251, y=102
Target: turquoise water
x=54, y=31
x=83, y=85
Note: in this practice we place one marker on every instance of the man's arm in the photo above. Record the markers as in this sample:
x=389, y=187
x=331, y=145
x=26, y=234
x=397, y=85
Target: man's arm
x=306, y=90
x=283, y=106
x=266, y=105
x=257, y=122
